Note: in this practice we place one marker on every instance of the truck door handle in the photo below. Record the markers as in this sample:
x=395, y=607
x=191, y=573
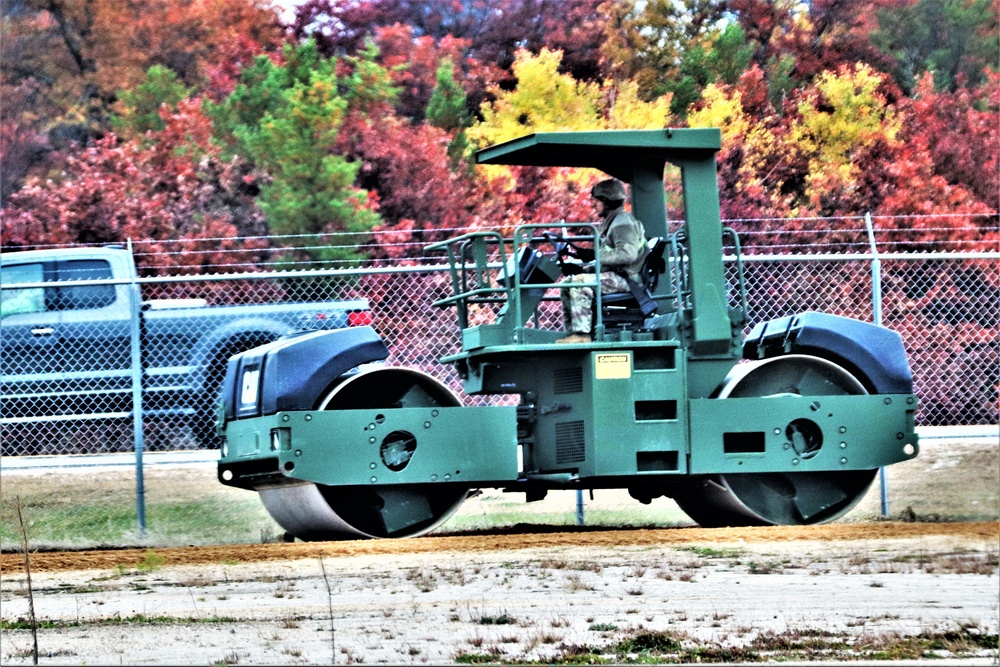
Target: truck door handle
x=42, y=331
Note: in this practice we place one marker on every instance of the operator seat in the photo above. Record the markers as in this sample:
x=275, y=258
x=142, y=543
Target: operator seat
x=623, y=310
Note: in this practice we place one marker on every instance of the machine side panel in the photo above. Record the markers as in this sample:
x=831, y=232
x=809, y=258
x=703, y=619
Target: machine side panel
x=640, y=425
x=801, y=433
x=466, y=445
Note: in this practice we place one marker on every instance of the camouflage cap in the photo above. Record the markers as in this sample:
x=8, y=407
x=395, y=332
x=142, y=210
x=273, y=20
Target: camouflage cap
x=609, y=190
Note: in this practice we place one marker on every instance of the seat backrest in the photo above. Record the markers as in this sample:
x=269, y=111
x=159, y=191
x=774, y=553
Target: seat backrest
x=654, y=264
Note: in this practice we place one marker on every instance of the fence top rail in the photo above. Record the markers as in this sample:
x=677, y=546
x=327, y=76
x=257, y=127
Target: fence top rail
x=867, y=256
x=439, y=268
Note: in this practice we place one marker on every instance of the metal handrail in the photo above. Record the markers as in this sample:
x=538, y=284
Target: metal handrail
x=520, y=239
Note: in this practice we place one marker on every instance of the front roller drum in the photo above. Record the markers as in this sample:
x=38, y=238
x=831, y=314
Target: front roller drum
x=780, y=498
x=321, y=512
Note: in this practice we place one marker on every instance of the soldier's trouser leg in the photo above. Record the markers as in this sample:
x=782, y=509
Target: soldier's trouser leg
x=578, y=302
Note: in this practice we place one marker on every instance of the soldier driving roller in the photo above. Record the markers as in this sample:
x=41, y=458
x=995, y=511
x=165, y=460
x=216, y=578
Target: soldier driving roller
x=622, y=240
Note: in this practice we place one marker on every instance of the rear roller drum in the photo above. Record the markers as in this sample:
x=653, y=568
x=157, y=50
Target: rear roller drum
x=782, y=498
x=320, y=512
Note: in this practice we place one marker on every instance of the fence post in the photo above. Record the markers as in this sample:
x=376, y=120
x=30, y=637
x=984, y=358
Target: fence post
x=135, y=301
x=579, y=508
x=877, y=317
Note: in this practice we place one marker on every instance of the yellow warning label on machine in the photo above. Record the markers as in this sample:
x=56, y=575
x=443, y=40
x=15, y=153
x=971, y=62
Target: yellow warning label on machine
x=613, y=366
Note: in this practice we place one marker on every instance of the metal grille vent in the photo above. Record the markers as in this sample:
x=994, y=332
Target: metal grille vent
x=570, y=442
x=567, y=381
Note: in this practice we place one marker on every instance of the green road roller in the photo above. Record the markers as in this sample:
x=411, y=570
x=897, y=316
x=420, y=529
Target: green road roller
x=667, y=395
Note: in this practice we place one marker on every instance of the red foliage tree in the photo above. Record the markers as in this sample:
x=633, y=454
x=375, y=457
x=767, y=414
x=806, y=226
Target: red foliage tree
x=64, y=62
x=420, y=199
x=413, y=63
x=830, y=33
x=487, y=32
x=962, y=133
x=178, y=187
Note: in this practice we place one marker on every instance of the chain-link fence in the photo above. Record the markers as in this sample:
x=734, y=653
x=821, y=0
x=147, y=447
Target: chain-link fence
x=81, y=356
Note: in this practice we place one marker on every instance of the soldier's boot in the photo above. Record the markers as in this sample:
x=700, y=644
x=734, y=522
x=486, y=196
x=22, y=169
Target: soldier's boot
x=575, y=337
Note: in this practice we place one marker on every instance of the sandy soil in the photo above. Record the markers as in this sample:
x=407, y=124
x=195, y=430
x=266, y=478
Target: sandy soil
x=857, y=590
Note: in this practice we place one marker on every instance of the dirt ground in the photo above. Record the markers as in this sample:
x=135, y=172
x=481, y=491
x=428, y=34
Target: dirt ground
x=870, y=591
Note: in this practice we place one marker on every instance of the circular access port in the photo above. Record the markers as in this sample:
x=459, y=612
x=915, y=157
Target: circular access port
x=806, y=437
x=397, y=450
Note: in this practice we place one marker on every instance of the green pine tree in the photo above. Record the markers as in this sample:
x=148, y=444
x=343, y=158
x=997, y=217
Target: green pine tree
x=286, y=118
x=140, y=106
x=446, y=110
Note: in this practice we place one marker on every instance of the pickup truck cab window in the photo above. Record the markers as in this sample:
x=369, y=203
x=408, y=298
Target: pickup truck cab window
x=20, y=301
x=41, y=299
x=85, y=296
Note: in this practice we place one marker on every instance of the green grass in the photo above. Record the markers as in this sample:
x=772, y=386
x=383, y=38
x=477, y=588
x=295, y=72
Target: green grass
x=654, y=648
x=76, y=510
x=477, y=658
x=502, y=619
x=136, y=619
x=710, y=552
x=192, y=522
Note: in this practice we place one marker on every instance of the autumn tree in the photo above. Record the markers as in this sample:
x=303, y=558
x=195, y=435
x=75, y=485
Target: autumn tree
x=792, y=42
x=842, y=117
x=962, y=133
x=947, y=170
x=69, y=58
x=827, y=35
x=670, y=47
x=493, y=29
x=177, y=187
x=759, y=172
x=287, y=118
x=547, y=100
x=23, y=140
x=405, y=166
x=954, y=39
x=413, y=63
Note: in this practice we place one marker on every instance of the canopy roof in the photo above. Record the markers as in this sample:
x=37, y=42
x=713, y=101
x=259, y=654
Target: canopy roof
x=616, y=152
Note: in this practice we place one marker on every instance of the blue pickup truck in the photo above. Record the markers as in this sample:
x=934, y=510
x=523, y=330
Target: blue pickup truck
x=66, y=349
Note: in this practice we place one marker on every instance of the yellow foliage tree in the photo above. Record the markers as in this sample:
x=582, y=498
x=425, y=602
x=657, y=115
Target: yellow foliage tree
x=625, y=111
x=755, y=138
x=842, y=115
x=723, y=110
x=546, y=100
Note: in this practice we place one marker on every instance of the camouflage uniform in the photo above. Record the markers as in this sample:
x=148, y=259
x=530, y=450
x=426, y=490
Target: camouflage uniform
x=623, y=249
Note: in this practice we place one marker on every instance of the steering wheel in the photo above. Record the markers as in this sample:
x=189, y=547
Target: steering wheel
x=564, y=249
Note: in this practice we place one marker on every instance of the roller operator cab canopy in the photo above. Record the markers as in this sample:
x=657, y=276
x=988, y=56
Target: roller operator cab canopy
x=637, y=157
